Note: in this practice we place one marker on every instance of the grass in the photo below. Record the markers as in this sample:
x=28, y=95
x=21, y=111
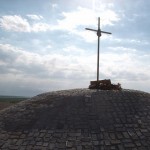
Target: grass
x=12, y=99
x=7, y=101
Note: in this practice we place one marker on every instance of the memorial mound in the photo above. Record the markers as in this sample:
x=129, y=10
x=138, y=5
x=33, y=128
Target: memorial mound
x=80, y=119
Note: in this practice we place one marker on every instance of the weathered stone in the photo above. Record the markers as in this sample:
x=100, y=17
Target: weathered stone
x=129, y=145
x=111, y=120
x=69, y=144
x=95, y=143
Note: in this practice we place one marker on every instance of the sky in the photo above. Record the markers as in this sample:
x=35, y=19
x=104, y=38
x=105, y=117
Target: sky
x=44, y=45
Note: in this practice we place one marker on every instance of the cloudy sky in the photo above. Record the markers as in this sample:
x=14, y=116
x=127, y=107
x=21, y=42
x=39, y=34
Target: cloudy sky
x=44, y=45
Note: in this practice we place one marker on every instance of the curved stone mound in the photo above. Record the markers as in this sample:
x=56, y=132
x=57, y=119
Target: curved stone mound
x=79, y=119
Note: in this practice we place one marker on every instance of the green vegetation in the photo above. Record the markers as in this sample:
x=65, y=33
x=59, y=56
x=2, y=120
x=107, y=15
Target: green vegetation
x=12, y=99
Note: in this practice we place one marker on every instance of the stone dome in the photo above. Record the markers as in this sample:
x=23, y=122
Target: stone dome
x=79, y=119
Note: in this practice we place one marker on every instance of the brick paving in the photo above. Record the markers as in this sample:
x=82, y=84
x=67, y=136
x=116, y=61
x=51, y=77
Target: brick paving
x=79, y=119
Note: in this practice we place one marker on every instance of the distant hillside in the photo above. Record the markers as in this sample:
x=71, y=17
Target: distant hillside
x=9, y=96
x=12, y=99
x=6, y=101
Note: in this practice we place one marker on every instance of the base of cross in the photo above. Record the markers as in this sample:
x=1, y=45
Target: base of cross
x=104, y=85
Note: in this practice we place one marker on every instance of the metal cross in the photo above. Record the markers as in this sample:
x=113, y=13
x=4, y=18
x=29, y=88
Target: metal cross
x=98, y=34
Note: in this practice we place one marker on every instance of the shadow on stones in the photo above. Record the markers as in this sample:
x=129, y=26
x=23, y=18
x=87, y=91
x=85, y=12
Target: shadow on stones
x=99, y=113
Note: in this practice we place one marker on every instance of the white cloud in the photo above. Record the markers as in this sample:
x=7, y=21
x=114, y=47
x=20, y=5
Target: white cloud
x=127, y=65
x=72, y=21
x=77, y=20
x=19, y=24
x=40, y=27
x=86, y=17
x=128, y=40
x=54, y=6
x=72, y=65
x=122, y=49
x=88, y=36
x=35, y=17
x=80, y=17
x=15, y=23
x=74, y=50
x=48, y=46
x=28, y=62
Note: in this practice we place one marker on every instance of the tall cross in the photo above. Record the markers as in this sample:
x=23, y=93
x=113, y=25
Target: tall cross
x=98, y=34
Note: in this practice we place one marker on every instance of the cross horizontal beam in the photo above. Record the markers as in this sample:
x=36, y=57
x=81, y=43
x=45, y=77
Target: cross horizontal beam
x=98, y=31
x=106, y=32
x=91, y=29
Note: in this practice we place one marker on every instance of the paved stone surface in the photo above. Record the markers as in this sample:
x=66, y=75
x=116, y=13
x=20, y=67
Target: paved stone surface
x=78, y=119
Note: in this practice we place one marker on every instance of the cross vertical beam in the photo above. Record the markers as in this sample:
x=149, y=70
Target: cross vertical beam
x=98, y=60
x=98, y=47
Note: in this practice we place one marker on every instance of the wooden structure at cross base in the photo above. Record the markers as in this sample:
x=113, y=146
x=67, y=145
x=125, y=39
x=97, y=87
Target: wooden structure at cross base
x=104, y=85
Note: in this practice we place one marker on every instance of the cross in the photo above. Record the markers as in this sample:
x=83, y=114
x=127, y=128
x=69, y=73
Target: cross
x=99, y=31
